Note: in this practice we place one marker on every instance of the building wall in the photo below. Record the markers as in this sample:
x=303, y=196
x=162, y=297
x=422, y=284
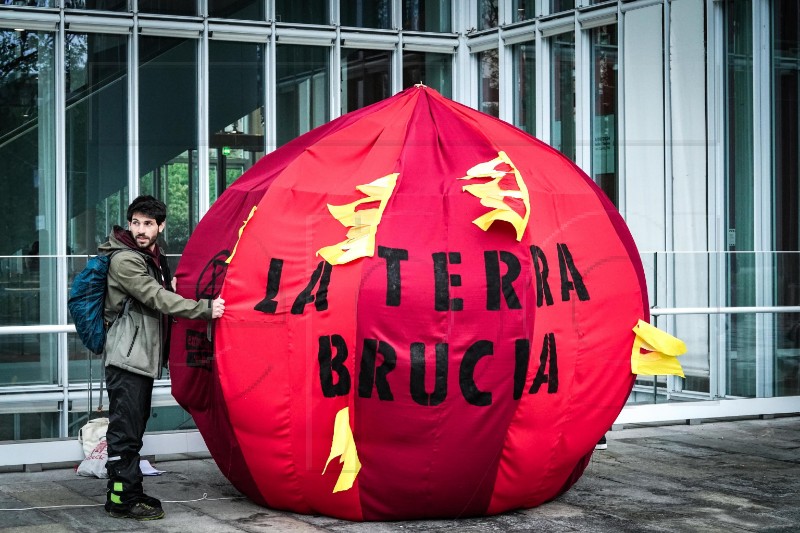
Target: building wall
x=684, y=111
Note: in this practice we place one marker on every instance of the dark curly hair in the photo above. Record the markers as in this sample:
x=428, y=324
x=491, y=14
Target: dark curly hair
x=150, y=207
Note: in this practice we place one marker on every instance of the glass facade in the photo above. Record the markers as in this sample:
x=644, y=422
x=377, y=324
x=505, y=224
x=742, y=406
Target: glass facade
x=427, y=15
x=306, y=12
x=785, y=66
x=487, y=14
x=366, y=13
x=302, y=90
x=562, y=91
x=525, y=85
x=522, y=10
x=178, y=99
x=365, y=77
x=429, y=68
x=236, y=9
x=489, y=88
x=96, y=135
x=741, y=259
x=104, y=5
x=168, y=139
x=604, y=110
x=236, y=122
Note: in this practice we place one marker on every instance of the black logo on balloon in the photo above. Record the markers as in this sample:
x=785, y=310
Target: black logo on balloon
x=209, y=283
x=199, y=350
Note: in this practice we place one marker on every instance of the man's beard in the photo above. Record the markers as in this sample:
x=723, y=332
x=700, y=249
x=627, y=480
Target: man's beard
x=147, y=244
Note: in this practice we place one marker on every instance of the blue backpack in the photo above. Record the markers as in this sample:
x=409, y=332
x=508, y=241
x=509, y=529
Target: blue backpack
x=87, y=301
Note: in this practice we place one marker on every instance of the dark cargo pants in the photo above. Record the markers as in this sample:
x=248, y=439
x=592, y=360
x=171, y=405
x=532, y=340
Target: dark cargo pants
x=129, y=397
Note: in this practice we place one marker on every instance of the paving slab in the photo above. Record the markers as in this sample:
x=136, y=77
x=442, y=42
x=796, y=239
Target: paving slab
x=739, y=476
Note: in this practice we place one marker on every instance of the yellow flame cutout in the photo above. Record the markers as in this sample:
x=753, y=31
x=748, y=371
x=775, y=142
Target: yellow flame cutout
x=241, y=230
x=662, y=351
x=363, y=224
x=492, y=195
x=344, y=445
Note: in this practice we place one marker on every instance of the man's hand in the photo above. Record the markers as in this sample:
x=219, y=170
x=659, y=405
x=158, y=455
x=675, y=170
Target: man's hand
x=217, y=308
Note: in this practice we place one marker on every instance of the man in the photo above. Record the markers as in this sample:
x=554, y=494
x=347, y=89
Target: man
x=139, y=285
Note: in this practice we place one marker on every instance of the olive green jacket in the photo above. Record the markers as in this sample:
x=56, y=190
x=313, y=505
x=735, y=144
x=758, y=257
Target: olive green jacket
x=133, y=274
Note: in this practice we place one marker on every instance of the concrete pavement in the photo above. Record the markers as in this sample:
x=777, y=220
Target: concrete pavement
x=727, y=476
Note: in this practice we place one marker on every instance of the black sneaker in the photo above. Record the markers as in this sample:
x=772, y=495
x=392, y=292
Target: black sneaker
x=149, y=500
x=601, y=444
x=137, y=511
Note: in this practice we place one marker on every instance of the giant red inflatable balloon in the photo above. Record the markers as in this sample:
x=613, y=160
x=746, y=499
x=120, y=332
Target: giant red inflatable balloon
x=429, y=314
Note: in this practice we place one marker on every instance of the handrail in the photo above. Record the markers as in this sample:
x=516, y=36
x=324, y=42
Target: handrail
x=655, y=311
x=33, y=330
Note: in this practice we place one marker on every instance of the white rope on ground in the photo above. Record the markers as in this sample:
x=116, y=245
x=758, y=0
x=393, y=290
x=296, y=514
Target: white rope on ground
x=74, y=506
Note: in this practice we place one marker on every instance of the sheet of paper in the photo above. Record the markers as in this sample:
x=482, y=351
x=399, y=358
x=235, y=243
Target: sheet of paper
x=148, y=469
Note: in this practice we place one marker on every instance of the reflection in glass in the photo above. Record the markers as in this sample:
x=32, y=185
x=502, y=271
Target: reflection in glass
x=489, y=85
x=29, y=426
x=236, y=110
x=27, y=359
x=168, y=7
x=236, y=9
x=28, y=280
x=522, y=10
x=604, y=110
x=487, y=14
x=305, y=12
x=431, y=69
x=168, y=132
x=786, y=222
x=96, y=87
x=556, y=6
x=302, y=90
x=371, y=14
x=365, y=77
x=562, y=94
x=525, y=86
x=105, y=5
x=427, y=15
x=741, y=329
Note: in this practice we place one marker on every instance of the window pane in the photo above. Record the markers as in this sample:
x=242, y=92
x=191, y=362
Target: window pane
x=30, y=359
x=96, y=89
x=489, y=87
x=28, y=284
x=739, y=171
x=557, y=6
x=365, y=78
x=236, y=9
x=29, y=426
x=522, y=10
x=604, y=110
x=431, y=69
x=105, y=5
x=236, y=110
x=525, y=86
x=303, y=89
x=366, y=13
x=487, y=14
x=306, y=12
x=786, y=221
x=427, y=15
x=168, y=132
x=168, y=7
x=30, y=3
x=562, y=95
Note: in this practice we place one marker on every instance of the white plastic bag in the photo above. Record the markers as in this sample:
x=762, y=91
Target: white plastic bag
x=95, y=463
x=92, y=433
